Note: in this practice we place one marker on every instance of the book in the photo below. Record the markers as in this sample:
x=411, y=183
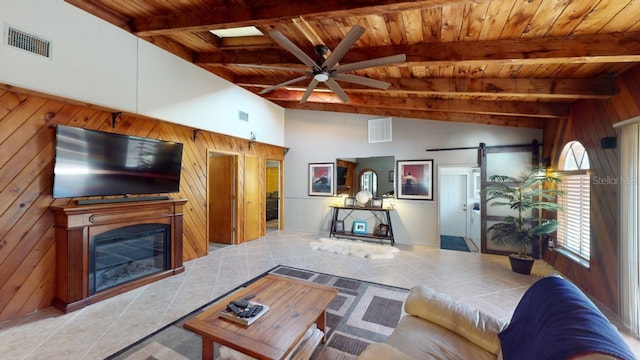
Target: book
x=227, y=314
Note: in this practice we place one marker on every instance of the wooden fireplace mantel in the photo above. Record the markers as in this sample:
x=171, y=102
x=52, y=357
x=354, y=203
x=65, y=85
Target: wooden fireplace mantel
x=75, y=225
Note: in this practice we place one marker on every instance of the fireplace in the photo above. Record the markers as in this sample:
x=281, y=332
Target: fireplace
x=103, y=250
x=126, y=254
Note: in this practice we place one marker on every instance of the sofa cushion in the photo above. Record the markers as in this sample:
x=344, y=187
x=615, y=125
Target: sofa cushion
x=383, y=351
x=423, y=339
x=470, y=323
x=555, y=320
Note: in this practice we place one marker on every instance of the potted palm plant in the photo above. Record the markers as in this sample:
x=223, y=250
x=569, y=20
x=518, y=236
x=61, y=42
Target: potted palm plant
x=533, y=190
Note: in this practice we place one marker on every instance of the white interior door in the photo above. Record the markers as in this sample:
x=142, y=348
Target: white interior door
x=453, y=205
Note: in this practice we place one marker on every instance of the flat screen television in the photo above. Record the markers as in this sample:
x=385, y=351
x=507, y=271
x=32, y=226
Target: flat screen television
x=97, y=163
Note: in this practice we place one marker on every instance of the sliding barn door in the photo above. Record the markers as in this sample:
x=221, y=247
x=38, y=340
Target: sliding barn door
x=501, y=160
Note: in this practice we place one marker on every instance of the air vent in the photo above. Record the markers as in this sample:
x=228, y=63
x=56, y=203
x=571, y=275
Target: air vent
x=380, y=130
x=243, y=116
x=28, y=42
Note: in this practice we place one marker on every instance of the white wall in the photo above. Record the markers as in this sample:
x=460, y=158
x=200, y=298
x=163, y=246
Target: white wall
x=322, y=137
x=91, y=61
x=97, y=63
x=195, y=97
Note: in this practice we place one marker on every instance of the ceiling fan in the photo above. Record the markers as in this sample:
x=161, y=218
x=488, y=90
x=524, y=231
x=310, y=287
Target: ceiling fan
x=324, y=70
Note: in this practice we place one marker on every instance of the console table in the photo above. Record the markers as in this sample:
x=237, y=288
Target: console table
x=382, y=217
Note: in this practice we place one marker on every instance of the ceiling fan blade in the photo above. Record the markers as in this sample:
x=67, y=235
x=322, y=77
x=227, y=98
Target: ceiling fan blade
x=344, y=46
x=292, y=48
x=371, y=63
x=289, y=82
x=333, y=85
x=361, y=80
x=312, y=85
x=269, y=67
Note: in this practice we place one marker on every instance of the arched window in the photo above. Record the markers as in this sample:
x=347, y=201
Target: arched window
x=574, y=233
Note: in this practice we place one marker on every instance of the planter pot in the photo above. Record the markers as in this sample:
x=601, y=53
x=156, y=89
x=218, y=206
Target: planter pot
x=521, y=265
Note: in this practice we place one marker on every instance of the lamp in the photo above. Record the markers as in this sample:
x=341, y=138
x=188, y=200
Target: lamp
x=363, y=197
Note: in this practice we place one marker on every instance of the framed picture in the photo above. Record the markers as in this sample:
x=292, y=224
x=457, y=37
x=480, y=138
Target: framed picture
x=383, y=230
x=359, y=227
x=376, y=202
x=339, y=226
x=350, y=201
x=414, y=179
x=321, y=179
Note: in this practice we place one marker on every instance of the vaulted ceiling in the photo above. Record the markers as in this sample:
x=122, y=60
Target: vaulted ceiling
x=503, y=62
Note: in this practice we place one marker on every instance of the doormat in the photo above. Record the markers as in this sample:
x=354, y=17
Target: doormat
x=362, y=313
x=453, y=243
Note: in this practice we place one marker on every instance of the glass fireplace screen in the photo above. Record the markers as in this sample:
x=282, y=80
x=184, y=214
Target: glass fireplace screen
x=125, y=254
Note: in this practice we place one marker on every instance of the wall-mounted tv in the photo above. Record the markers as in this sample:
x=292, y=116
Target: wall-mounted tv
x=96, y=163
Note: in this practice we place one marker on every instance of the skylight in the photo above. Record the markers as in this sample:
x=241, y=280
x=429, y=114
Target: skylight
x=237, y=32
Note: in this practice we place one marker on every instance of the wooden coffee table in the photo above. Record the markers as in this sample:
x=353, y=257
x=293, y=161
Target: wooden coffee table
x=294, y=306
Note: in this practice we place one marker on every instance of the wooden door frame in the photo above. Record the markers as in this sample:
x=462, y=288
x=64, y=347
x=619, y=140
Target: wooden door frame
x=280, y=190
x=236, y=220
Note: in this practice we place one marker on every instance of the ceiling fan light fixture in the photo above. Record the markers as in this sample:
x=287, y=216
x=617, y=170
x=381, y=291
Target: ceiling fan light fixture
x=321, y=76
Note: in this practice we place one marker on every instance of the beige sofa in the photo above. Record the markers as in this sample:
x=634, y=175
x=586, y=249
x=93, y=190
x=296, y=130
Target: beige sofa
x=438, y=327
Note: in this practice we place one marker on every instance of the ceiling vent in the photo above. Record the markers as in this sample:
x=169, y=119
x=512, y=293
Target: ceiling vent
x=27, y=42
x=380, y=130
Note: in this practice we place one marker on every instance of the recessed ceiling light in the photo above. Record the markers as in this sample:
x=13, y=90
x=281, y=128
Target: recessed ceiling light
x=237, y=32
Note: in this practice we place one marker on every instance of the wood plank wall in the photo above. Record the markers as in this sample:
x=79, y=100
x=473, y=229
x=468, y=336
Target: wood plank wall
x=27, y=145
x=590, y=121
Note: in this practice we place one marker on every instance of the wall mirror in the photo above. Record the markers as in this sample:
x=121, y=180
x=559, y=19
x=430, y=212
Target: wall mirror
x=373, y=174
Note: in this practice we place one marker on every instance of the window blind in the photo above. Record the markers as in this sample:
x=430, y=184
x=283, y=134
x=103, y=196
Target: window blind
x=574, y=221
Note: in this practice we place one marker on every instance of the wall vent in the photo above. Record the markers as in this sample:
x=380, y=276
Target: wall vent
x=243, y=116
x=28, y=42
x=380, y=130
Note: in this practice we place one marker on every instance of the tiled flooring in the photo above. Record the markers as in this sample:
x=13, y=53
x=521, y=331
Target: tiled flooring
x=484, y=281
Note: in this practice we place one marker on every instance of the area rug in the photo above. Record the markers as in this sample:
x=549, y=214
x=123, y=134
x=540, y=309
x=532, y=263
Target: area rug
x=453, y=243
x=361, y=313
x=355, y=248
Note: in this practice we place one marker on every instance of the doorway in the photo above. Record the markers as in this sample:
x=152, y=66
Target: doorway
x=272, y=205
x=458, y=208
x=222, y=188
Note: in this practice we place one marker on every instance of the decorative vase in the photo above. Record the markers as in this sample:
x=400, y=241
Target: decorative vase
x=521, y=265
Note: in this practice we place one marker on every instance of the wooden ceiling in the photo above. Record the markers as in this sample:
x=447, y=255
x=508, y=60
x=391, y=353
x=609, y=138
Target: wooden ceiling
x=502, y=62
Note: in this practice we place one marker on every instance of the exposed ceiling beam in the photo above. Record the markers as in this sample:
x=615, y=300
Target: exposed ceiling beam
x=521, y=109
x=596, y=48
x=567, y=89
x=498, y=120
x=275, y=12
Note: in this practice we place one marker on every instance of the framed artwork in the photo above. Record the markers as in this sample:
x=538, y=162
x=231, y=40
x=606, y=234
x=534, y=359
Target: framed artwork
x=414, y=179
x=383, y=230
x=321, y=179
x=350, y=201
x=339, y=226
x=359, y=227
x=376, y=202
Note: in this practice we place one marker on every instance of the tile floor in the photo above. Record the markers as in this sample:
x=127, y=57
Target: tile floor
x=94, y=332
